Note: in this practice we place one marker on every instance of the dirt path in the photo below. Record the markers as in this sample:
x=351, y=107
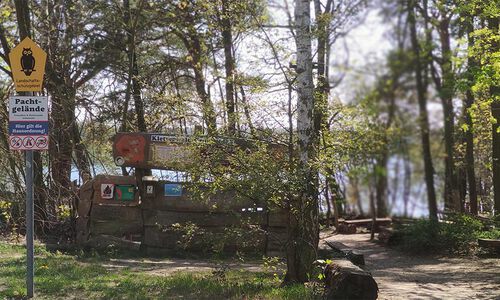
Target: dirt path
x=400, y=276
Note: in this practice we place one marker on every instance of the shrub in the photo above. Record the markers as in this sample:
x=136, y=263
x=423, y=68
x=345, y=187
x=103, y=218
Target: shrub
x=455, y=235
x=421, y=237
x=459, y=232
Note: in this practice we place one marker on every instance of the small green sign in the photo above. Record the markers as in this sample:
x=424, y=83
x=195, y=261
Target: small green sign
x=125, y=192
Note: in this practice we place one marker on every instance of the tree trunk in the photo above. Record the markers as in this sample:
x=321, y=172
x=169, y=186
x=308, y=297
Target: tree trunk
x=138, y=101
x=328, y=205
x=354, y=182
x=381, y=185
x=81, y=157
x=446, y=92
x=207, y=106
x=246, y=110
x=493, y=25
x=227, y=39
x=373, y=209
x=407, y=183
x=133, y=82
x=469, y=135
x=334, y=198
x=303, y=222
x=423, y=117
x=61, y=142
x=495, y=112
x=381, y=169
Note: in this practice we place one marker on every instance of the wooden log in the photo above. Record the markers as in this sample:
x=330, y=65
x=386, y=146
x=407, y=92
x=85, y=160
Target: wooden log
x=115, y=227
x=106, y=241
x=168, y=218
x=118, y=213
x=489, y=243
x=221, y=202
x=368, y=222
x=352, y=255
x=344, y=280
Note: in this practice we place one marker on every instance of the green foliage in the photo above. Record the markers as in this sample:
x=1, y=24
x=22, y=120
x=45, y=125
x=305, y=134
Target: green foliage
x=455, y=235
x=274, y=265
x=256, y=171
x=193, y=238
x=5, y=214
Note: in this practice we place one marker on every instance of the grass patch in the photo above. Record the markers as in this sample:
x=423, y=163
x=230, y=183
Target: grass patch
x=62, y=276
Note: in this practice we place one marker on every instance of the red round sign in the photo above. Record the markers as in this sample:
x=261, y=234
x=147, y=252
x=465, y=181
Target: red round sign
x=28, y=142
x=15, y=142
x=41, y=142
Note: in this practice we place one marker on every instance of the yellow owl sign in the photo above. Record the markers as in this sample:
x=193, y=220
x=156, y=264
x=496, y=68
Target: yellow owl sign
x=27, y=63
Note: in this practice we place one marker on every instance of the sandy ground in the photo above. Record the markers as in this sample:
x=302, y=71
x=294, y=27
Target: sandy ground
x=400, y=276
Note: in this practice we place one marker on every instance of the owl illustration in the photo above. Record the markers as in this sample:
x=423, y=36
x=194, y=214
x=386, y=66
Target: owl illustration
x=27, y=61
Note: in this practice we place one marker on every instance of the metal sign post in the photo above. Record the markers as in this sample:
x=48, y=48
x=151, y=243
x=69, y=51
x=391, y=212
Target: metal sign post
x=30, y=215
x=28, y=129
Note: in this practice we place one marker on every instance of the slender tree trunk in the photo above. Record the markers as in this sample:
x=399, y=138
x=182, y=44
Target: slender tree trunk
x=246, y=110
x=207, y=106
x=495, y=112
x=423, y=117
x=354, y=182
x=446, y=91
x=82, y=159
x=227, y=40
x=335, y=200
x=323, y=91
x=303, y=225
x=61, y=142
x=381, y=170
x=407, y=186
x=328, y=205
x=381, y=185
x=138, y=101
x=493, y=25
x=469, y=134
x=133, y=81
x=372, y=209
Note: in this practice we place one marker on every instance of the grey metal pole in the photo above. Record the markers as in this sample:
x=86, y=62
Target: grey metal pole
x=29, y=224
